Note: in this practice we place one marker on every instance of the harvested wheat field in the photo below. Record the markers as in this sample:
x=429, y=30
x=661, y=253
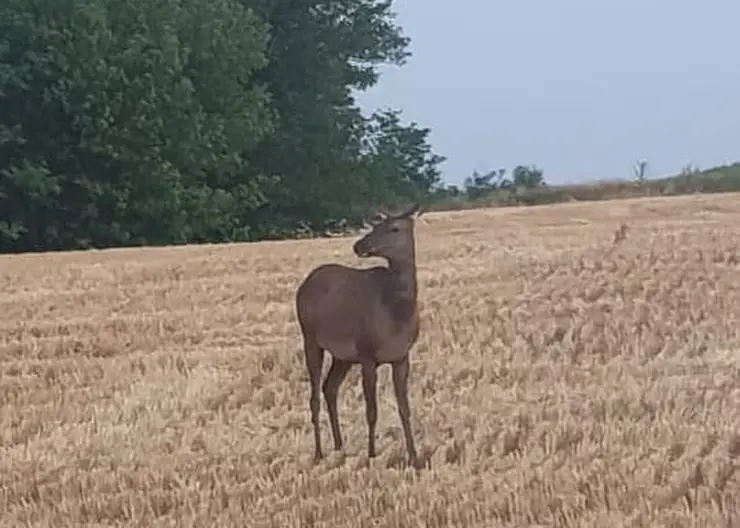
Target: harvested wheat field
x=567, y=374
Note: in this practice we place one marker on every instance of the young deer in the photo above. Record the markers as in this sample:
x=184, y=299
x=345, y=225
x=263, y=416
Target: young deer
x=363, y=316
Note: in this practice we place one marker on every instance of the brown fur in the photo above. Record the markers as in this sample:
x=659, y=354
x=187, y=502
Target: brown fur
x=363, y=316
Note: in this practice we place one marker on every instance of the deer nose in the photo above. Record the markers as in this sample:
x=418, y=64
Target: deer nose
x=359, y=248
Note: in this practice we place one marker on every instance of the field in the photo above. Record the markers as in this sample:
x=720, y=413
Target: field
x=565, y=375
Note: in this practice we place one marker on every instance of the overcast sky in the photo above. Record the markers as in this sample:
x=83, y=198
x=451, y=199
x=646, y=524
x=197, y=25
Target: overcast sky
x=581, y=88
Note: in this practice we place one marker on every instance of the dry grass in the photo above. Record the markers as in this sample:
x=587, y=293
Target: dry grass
x=565, y=375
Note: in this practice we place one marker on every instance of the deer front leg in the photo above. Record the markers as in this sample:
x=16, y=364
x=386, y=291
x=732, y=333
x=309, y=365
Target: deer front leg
x=333, y=381
x=400, y=387
x=369, y=388
x=314, y=361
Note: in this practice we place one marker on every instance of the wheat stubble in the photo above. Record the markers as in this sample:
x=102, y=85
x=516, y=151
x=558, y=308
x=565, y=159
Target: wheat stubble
x=561, y=377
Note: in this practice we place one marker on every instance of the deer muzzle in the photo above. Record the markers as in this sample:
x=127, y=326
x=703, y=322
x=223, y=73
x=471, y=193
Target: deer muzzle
x=360, y=248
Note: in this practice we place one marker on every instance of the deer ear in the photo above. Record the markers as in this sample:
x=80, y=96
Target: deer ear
x=410, y=211
x=381, y=216
x=378, y=218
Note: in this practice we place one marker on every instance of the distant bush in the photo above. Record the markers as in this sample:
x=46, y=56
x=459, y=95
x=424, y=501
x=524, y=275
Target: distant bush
x=715, y=180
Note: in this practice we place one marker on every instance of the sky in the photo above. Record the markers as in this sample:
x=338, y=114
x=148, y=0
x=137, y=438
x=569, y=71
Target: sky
x=581, y=88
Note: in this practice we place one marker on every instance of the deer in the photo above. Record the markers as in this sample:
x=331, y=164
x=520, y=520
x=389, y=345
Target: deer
x=363, y=316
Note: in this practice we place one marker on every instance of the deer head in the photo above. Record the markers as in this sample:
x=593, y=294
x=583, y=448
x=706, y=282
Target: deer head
x=392, y=235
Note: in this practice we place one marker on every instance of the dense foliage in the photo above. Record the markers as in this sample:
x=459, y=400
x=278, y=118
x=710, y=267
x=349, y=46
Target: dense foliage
x=172, y=121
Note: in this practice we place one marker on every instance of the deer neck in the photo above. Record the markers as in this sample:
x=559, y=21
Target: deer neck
x=404, y=271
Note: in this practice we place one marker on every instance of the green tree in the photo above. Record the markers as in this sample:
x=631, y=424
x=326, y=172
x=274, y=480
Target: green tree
x=134, y=122
x=402, y=165
x=528, y=177
x=479, y=185
x=125, y=121
x=320, y=52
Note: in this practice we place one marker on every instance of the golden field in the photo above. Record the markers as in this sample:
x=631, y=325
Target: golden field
x=562, y=378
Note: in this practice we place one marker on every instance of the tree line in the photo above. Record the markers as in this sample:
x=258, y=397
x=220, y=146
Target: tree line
x=130, y=122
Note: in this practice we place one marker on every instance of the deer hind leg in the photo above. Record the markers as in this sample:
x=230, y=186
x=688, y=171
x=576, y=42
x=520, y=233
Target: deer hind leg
x=400, y=387
x=314, y=362
x=369, y=388
x=337, y=372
